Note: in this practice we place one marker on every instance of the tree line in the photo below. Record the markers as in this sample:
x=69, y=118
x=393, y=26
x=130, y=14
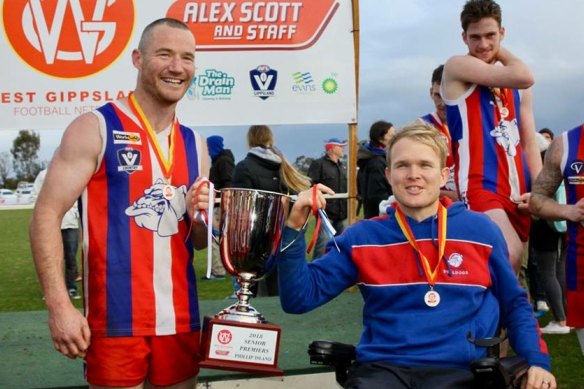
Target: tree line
x=22, y=162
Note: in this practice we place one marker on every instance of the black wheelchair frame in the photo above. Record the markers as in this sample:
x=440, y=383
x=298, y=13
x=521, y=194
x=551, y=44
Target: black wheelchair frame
x=490, y=372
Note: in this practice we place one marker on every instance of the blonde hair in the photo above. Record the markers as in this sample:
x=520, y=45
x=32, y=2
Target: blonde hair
x=262, y=136
x=425, y=134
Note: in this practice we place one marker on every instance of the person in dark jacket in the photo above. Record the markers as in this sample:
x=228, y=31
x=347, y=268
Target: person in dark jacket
x=371, y=182
x=330, y=171
x=266, y=168
x=221, y=174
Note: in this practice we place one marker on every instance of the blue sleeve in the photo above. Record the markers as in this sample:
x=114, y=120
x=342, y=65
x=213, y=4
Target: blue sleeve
x=516, y=311
x=305, y=286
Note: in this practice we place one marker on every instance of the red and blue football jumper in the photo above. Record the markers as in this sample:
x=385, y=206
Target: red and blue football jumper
x=572, y=166
x=138, y=258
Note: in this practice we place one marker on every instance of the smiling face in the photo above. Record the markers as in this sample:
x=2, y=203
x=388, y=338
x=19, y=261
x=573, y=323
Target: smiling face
x=416, y=175
x=166, y=63
x=483, y=39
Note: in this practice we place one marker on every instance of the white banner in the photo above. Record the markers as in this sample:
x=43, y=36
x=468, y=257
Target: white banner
x=270, y=62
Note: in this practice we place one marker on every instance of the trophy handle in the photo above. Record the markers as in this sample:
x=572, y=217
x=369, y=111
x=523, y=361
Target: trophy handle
x=224, y=251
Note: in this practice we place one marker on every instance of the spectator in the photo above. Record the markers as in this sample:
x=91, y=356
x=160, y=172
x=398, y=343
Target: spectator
x=330, y=171
x=371, y=183
x=266, y=168
x=135, y=167
x=222, y=165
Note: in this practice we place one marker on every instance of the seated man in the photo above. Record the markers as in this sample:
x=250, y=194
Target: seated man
x=430, y=273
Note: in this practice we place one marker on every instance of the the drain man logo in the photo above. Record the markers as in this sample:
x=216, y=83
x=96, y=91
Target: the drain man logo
x=68, y=38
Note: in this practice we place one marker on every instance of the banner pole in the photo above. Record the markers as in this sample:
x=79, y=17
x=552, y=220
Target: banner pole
x=354, y=127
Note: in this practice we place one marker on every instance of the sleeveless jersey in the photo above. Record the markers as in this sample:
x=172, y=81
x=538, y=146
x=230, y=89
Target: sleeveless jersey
x=138, y=258
x=434, y=120
x=485, y=142
x=572, y=167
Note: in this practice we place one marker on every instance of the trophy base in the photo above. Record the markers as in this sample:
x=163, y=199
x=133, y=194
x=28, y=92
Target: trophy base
x=240, y=346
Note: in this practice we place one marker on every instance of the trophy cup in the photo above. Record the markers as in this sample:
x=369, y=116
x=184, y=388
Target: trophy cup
x=239, y=338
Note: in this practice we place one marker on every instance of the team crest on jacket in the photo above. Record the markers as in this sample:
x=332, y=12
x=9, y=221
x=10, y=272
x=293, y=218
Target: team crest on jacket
x=507, y=136
x=129, y=160
x=157, y=213
x=455, y=260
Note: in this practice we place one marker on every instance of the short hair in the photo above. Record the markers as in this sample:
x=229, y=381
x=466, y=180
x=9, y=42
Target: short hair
x=546, y=130
x=260, y=135
x=424, y=133
x=378, y=131
x=475, y=10
x=437, y=75
x=147, y=33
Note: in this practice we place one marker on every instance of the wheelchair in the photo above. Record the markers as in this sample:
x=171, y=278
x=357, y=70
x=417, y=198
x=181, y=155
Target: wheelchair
x=490, y=372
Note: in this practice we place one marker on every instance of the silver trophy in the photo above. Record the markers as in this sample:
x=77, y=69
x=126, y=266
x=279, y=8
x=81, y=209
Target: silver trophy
x=239, y=338
x=251, y=226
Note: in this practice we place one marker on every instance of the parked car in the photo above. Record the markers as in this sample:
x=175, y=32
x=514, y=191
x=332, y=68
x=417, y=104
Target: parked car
x=8, y=197
x=25, y=195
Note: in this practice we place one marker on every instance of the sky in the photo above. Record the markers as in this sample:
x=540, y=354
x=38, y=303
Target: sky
x=402, y=41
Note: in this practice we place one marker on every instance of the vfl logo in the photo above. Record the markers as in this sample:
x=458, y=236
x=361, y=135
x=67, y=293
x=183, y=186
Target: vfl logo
x=129, y=160
x=263, y=80
x=68, y=38
x=224, y=336
x=156, y=213
x=577, y=166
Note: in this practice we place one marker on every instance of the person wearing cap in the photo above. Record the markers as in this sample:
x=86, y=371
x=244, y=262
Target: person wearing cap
x=330, y=171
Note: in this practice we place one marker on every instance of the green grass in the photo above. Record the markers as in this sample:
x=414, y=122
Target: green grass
x=19, y=291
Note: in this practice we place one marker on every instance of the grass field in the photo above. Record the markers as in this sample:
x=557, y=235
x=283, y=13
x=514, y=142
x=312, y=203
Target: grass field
x=19, y=291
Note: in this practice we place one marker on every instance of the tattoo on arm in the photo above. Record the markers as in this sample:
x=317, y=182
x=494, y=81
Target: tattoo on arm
x=551, y=176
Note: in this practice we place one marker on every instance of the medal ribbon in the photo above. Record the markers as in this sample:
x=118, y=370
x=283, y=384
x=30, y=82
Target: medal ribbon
x=167, y=166
x=318, y=220
x=500, y=101
x=407, y=231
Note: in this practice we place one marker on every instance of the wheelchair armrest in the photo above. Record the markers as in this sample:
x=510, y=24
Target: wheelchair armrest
x=325, y=352
x=492, y=372
x=335, y=354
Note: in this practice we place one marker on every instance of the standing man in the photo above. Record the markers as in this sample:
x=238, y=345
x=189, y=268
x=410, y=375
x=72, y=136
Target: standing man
x=563, y=162
x=430, y=272
x=488, y=106
x=222, y=165
x=438, y=120
x=330, y=171
x=70, y=235
x=135, y=168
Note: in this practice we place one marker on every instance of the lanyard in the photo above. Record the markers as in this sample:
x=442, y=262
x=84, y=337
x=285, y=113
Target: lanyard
x=431, y=275
x=166, y=165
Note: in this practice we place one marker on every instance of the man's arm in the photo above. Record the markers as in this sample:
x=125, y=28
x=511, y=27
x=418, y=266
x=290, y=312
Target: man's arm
x=527, y=135
x=463, y=70
x=70, y=169
x=542, y=203
x=198, y=199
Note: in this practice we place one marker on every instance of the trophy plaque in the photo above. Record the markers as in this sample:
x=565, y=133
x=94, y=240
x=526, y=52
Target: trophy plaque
x=239, y=337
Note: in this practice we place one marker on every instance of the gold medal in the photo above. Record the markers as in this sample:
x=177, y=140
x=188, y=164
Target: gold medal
x=504, y=112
